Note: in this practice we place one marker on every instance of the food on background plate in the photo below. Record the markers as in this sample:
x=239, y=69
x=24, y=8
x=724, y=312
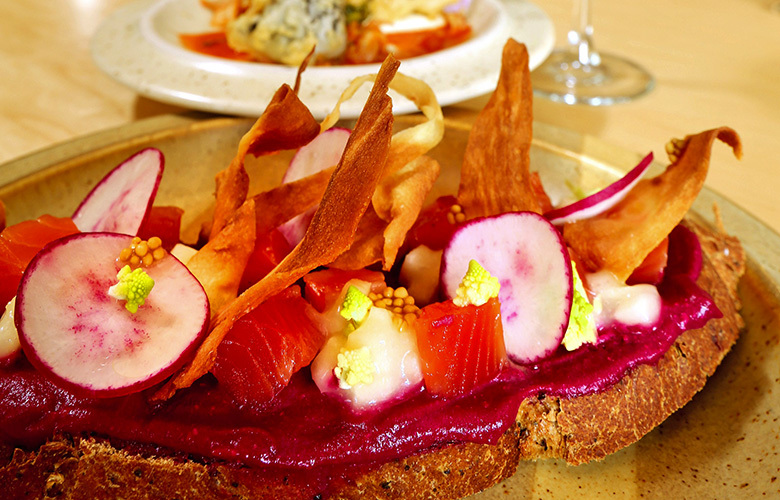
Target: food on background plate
x=322, y=376
x=338, y=31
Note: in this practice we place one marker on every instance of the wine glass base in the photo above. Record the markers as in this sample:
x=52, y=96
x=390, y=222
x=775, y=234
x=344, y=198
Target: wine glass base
x=563, y=78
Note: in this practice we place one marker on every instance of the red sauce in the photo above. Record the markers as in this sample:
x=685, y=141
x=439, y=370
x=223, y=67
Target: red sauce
x=408, y=44
x=213, y=44
x=368, y=44
x=313, y=437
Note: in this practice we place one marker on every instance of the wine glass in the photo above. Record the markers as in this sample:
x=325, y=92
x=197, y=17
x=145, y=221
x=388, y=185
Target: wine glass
x=579, y=74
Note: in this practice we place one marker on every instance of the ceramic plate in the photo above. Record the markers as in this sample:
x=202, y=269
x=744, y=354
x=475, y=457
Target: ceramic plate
x=138, y=46
x=723, y=444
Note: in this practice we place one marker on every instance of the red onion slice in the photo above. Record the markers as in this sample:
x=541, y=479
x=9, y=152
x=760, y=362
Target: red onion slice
x=600, y=201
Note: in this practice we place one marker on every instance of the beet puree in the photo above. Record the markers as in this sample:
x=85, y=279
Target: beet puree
x=304, y=429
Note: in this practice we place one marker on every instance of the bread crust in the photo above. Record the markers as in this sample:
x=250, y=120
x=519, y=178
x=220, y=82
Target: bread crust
x=590, y=427
x=576, y=430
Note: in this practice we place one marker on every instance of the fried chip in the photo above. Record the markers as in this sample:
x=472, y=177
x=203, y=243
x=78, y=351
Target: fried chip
x=232, y=188
x=414, y=141
x=332, y=228
x=408, y=144
x=406, y=190
x=407, y=180
x=301, y=68
x=280, y=204
x=619, y=239
x=495, y=175
x=219, y=265
x=285, y=124
x=377, y=240
x=368, y=247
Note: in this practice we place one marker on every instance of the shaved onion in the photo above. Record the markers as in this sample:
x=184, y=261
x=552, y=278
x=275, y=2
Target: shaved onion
x=600, y=201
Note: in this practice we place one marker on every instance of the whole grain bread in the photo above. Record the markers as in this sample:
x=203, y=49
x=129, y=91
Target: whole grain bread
x=576, y=430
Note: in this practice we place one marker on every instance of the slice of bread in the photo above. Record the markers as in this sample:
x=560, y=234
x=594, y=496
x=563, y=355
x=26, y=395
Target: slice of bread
x=576, y=430
x=591, y=427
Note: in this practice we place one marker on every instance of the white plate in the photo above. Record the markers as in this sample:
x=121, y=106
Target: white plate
x=138, y=46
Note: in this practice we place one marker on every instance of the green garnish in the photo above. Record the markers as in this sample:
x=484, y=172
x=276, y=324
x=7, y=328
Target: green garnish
x=582, y=324
x=134, y=287
x=478, y=286
x=355, y=306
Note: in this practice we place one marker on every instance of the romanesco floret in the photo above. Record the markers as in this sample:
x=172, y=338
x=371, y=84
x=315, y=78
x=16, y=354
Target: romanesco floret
x=478, y=286
x=355, y=306
x=133, y=287
x=354, y=366
x=582, y=323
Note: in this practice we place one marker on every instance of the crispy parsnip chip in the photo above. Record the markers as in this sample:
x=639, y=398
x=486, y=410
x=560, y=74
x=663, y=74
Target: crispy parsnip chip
x=377, y=240
x=495, y=175
x=286, y=124
x=407, y=180
x=220, y=264
x=408, y=144
x=280, y=204
x=332, y=228
x=301, y=68
x=368, y=246
x=406, y=190
x=619, y=239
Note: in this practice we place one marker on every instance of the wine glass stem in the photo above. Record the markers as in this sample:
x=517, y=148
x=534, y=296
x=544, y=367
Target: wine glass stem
x=579, y=74
x=581, y=36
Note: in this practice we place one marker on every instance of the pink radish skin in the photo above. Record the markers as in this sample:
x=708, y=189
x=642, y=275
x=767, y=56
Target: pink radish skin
x=600, y=201
x=528, y=256
x=71, y=329
x=324, y=151
x=121, y=201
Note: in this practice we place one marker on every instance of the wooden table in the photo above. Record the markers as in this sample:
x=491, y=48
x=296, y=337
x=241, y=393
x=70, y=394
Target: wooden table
x=717, y=62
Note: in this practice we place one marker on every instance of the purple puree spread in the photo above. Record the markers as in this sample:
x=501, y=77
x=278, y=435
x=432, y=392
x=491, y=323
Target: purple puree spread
x=305, y=430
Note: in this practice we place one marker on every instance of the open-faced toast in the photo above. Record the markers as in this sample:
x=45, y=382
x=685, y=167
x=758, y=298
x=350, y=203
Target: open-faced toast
x=576, y=427
x=577, y=430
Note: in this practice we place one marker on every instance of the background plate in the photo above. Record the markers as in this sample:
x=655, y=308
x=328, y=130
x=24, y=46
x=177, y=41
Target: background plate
x=137, y=45
x=723, y=444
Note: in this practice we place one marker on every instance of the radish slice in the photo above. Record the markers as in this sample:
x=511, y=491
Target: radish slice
x=528, y=256
x=71, y=329
x=323, y=152
x=600, y=201
x=120, y=202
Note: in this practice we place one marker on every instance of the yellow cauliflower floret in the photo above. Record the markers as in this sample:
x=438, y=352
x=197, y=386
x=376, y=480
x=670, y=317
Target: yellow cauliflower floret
x=478, y=286
x=355, y=306
x=354, y=366
x=134, y=287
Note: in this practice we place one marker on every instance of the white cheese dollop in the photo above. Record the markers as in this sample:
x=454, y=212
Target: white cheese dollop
x=616, y=302
x=9, y=337
x=420, y=274
x=389, y=347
